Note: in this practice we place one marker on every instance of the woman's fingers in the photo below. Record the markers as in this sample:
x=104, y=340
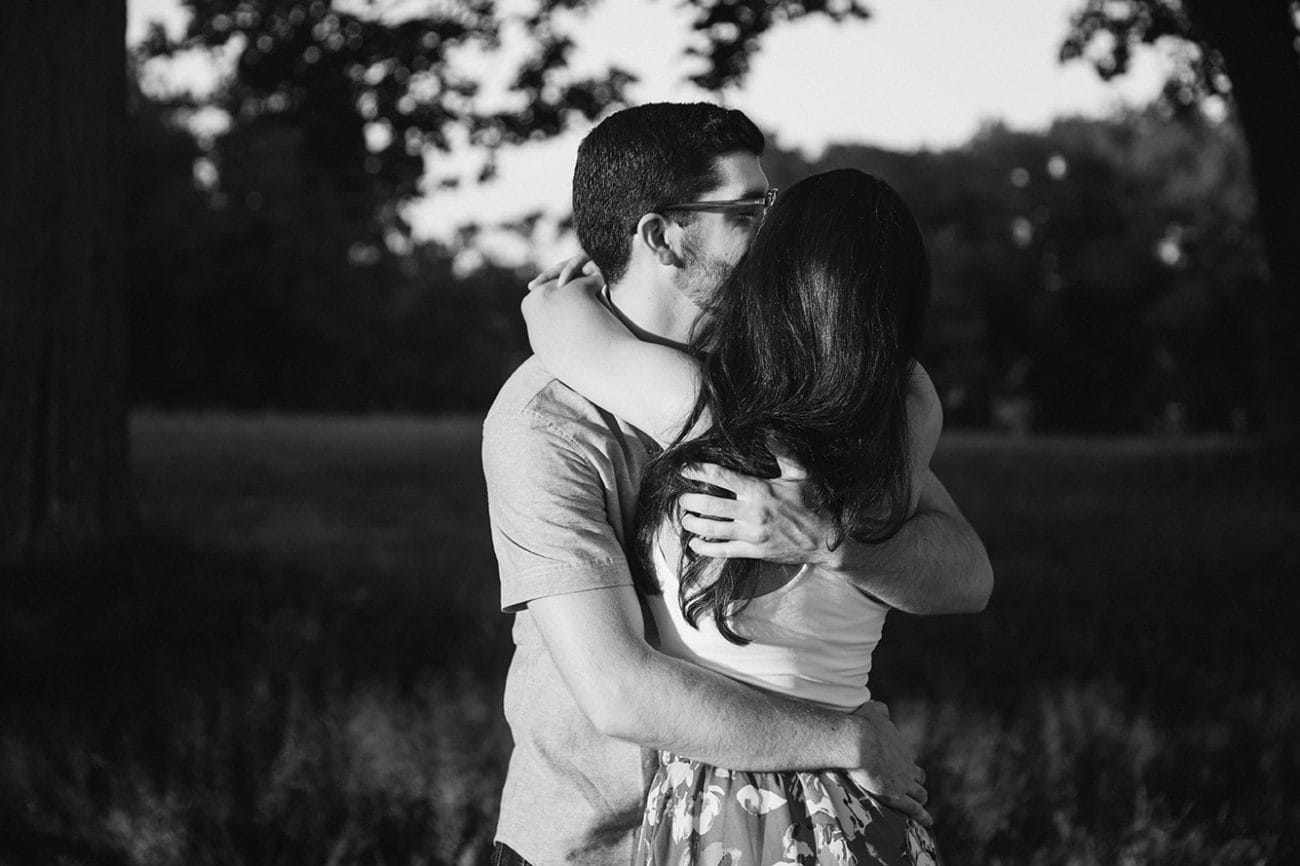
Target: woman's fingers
x=591, y=285
x=573, y=267
x=551, y=273
x=563, y=271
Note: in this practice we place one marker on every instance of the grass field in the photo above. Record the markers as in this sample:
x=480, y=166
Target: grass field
x=300, y=661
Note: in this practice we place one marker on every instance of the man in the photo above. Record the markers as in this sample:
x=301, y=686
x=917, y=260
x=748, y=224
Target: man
x=666, y=199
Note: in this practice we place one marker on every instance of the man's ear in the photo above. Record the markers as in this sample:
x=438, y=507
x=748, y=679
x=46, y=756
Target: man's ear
x=652, y=232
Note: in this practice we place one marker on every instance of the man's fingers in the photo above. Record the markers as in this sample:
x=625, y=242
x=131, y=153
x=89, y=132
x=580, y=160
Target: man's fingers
x=907, y=806
x=720, y=476
x=872, y=708
x=705, y=527
x=723, y=530
x=723, y=549
x=716, y=529
x=711, y=506
x=791, y=470
x=920, y=775
x=860, y=778
x=918, y=793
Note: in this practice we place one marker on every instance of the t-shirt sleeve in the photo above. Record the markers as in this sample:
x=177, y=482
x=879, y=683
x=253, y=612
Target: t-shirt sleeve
x=546, y=502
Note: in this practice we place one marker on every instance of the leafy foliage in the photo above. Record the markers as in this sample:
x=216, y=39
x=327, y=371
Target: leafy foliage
x=1106, y=32
x=331, y=69
x=1258, y=45
x=1101, y=275
x=732, y=31
x=289, y=278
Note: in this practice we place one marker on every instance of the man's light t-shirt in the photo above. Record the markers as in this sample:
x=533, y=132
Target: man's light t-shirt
x=562, y=478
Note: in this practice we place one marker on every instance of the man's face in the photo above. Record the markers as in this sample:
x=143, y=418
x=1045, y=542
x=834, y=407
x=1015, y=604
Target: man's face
x=714, y=242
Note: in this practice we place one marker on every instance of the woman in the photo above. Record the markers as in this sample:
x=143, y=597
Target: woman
x=806, y=353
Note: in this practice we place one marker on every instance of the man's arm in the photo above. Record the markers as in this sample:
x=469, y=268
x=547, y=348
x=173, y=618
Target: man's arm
x=935, y=564
x=632, y=692
x=559, y=557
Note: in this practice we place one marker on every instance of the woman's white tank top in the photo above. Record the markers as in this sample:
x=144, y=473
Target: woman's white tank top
x=810, y=638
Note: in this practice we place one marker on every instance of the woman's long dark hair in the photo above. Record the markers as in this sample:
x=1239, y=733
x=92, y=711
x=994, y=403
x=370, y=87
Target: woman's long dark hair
x=807, y=349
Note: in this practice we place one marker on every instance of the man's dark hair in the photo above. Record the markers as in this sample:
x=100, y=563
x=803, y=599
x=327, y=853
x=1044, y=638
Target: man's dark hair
x=644, y=158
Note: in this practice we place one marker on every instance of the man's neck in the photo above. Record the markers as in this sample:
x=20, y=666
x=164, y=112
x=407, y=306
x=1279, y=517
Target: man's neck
x=649, y=315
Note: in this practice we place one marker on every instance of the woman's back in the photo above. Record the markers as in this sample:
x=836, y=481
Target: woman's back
x=811, y=634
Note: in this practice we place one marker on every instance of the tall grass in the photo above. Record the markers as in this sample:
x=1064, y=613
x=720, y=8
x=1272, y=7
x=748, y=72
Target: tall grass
x=300, y=660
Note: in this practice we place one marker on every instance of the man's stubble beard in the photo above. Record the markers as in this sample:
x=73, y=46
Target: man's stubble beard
x=702, y=275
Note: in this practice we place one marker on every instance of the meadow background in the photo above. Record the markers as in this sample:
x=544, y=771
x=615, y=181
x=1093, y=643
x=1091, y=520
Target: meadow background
x=301, y=660
x=266, y=632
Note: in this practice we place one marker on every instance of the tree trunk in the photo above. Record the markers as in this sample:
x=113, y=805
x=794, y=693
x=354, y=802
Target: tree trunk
x=63, y=438
x=1257, y=40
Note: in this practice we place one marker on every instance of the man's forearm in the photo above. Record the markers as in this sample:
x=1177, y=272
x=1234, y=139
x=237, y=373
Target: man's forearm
x=631, y=691
x=935, y=564
x=684, y=709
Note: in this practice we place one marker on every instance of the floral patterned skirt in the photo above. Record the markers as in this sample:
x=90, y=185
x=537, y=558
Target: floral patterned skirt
x=699, y=814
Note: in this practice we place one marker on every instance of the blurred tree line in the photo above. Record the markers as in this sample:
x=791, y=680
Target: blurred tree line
x=286, y=276
x=334, y=110
x=278, y=287
x=1102, y=275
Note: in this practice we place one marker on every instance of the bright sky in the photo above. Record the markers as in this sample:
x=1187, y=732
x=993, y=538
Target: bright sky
x=920, y=73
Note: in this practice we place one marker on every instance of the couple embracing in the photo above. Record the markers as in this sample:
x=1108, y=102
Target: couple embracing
x=707, y=489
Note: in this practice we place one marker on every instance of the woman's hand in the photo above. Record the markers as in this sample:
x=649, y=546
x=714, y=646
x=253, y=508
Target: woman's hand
x=562, y=272
x=554, y=297
x=580, y=340
x=575, y=280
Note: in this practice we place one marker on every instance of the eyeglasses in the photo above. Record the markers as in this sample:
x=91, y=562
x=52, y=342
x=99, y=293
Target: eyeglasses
x=738, y=205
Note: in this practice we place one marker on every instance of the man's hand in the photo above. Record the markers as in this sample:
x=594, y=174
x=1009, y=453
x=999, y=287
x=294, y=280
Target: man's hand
x=767, y=520
x=891, y=774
